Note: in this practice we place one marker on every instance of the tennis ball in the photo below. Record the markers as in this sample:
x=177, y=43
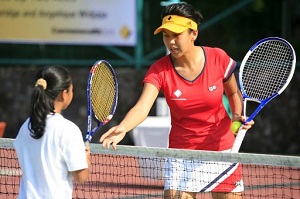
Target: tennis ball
x=235, y=126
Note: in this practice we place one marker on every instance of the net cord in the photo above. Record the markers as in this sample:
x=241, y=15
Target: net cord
x=156, y=152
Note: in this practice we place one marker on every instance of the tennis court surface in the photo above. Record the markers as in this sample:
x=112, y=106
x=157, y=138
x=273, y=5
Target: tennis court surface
x=138, y=172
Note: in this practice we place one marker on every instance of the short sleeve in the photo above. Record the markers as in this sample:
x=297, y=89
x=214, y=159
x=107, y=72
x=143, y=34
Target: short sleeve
x=157, y=72
x=227, y=65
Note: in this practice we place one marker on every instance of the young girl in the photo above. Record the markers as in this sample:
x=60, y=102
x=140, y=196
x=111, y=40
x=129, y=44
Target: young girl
x=193, y=80
x=50, y=148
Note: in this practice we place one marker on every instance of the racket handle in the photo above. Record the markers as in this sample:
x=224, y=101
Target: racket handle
x=238, y=140
x=87, y=140
x=86, y=143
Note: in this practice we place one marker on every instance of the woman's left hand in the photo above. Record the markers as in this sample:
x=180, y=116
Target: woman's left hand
x=243, y=119
x=247, y=125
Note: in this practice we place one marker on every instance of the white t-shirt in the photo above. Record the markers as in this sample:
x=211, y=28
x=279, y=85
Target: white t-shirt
x=47, y=162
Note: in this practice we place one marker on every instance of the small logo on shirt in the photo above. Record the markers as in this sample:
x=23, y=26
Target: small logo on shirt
x=212, y=88
x=178, y=93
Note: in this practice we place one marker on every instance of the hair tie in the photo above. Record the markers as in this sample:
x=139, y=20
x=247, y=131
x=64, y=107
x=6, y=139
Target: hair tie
x=41, y=82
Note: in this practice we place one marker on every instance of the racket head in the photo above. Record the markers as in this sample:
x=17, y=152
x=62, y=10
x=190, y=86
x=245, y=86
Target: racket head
x=267, y=69
x=102, y=95
x=265, y=72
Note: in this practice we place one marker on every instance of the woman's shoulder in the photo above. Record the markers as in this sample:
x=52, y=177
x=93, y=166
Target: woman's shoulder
x=214, y=50
x=163, y=61
x=216, y=53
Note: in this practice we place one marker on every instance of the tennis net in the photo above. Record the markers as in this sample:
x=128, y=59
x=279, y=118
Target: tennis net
x=138, y=172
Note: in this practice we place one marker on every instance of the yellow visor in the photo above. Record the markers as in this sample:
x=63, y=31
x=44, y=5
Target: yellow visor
x=176, y=24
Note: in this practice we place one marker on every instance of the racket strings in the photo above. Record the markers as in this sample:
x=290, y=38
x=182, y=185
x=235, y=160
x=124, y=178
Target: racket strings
x=271, y=62
x=103, y=92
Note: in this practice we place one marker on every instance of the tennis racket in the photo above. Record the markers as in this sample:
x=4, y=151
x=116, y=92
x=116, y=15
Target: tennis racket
x=102, y=96
x=265, y=72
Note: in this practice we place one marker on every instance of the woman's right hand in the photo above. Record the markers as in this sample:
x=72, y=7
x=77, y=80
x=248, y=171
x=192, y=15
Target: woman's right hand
x=113, y=136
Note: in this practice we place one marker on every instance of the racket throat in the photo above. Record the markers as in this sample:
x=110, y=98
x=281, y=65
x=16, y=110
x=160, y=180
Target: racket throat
x=88, y=138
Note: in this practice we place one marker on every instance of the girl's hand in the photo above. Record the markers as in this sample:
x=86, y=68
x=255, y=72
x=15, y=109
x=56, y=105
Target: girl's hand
x=88, y=155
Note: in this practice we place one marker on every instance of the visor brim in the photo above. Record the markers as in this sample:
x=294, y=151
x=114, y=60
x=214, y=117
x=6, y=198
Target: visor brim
x=171, y=27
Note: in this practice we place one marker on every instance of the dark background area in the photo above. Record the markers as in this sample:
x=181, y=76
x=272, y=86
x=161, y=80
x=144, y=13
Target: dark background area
x=233, y=25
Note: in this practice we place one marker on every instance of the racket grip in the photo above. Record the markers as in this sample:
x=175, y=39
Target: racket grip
x=88, y=138
x=238, y=140
x=87, y=143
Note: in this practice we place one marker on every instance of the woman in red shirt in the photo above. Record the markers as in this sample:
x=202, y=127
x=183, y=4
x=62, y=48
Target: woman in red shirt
x=193, y=80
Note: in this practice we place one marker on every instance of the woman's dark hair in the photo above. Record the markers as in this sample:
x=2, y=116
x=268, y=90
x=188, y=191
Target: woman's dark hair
x=57, y=79
x=184, y=10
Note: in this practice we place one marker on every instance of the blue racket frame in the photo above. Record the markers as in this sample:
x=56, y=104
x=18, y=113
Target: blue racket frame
x=262, y=103
x=90, y=112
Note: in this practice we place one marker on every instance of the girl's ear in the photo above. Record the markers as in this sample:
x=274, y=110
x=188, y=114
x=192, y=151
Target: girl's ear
x=195, y=34
x=62, y=96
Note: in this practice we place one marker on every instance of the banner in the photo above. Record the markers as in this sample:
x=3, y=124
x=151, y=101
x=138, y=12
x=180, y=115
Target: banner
x=86, y=22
